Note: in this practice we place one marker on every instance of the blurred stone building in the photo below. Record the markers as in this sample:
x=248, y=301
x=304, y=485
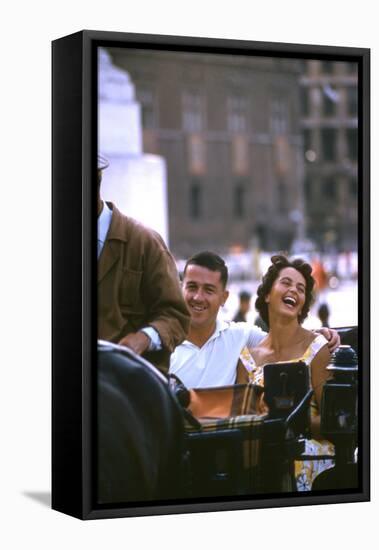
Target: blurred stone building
x=230, y=131
x=329, y=103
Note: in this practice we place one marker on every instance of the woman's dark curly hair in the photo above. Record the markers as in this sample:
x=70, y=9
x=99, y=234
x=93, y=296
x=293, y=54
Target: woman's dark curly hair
x=278, y=263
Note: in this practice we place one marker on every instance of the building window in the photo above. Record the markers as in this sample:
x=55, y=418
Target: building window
x=328, y=141
x=351, y=68
x=193, y=112
x=237, y=114
x=308, y=190
x=327, y=67
x=304, y=101
x=149, y=116
x=352, y=101
x=307, y=140
x=239, y=200
x=329, y=189
x=352, y=143
x=330, y=100
x=196, y=198
x=279, y=116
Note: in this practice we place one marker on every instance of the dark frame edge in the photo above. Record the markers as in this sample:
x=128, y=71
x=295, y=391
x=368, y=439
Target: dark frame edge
x=365, y=255
x=201, y=507
x=89, y=230
x=267, y=48
x=67, y=314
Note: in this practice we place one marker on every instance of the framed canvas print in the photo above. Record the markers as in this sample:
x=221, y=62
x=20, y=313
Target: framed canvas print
x=210, y=274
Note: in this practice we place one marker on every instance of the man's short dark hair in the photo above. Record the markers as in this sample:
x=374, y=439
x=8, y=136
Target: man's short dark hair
x=210, y=261
x=278, y=263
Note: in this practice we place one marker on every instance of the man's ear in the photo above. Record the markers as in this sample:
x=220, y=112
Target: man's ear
x=225, y=296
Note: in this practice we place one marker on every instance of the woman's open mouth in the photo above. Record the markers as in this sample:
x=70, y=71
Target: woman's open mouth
x=290, y=301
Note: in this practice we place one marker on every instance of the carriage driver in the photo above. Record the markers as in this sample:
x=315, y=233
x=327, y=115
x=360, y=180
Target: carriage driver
x=140, y=304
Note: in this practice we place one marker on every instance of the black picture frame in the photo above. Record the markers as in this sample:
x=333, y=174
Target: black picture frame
x=74, y=153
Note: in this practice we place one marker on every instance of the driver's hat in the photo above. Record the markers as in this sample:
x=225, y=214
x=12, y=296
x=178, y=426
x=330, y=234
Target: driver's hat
x=102, y=162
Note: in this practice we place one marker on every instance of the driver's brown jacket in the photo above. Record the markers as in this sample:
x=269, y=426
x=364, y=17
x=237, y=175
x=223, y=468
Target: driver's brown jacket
x=138, y=286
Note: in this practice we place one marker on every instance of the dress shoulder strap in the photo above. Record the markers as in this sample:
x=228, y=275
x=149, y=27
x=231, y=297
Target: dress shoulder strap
x=254, y=371
x=319, y=342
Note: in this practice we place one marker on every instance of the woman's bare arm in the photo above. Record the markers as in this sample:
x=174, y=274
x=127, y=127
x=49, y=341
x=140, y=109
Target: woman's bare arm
x=319, y=375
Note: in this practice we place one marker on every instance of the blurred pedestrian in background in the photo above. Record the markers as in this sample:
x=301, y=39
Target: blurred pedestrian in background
x=323, y=313
x=244, y=306
x=259, y=322
x=320, y=277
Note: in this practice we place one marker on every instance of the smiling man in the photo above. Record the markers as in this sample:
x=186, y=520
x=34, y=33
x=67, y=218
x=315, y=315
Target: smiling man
x=210, y=353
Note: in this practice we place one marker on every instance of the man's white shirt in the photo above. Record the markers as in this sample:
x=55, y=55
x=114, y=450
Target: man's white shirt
x=103, y=225
x=215, y=363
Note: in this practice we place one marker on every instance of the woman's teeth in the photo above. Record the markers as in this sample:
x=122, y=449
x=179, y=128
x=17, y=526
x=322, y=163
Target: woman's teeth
x=289, y=301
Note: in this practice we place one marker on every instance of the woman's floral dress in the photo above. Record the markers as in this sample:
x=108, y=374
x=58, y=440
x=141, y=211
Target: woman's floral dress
x=305, y=470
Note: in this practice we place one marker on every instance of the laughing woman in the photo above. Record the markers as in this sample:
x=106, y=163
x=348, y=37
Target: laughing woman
x=284, y=299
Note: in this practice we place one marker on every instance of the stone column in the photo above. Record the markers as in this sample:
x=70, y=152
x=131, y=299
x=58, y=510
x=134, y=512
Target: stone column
x=135, y=182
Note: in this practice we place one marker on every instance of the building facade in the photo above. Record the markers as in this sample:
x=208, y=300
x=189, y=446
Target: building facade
x=230, y=130
x=329, y=106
